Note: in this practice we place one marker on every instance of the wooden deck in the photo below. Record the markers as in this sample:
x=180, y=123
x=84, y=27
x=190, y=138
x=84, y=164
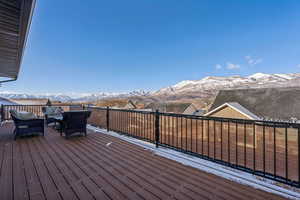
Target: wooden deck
x=102, y=167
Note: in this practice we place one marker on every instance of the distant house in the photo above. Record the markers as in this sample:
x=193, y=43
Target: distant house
x=117, y=103
x=232, y=110
x=180, y=108
x=130, y=105
x=260, y=103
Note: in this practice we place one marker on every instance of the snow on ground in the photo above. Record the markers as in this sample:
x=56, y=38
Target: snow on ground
x=208, y=166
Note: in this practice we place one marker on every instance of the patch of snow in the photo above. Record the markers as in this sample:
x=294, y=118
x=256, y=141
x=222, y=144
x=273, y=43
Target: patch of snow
x=183, y=84
x=208, y=166
x=108, y=144
x=259, y=76
x=285, y=76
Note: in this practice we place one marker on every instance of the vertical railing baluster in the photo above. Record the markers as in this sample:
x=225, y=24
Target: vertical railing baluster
x=274, y=149
x=129, y=123
x=222, y=140
x=186, y=134
x=176, y=131
x=147, y=126
x=173, y=139
x=245, y=145
x=202, y=136
x=254, y=146
x=161, y=128
x=107, y=118
x=169, y=139
x=173, y=131
x=181, y=132
x=165, y=129
x=264, y=149
x=122, y=120
x=153, y=126
x=214, y=138
x=118, y=121
x=140, y=124
x=144, y=126
x=191, y=135
x=208, y=137
x=236, y=143
x=196, y=135
x=135, y=124
x=157, y=128
x=286, y=154
x=228, y=137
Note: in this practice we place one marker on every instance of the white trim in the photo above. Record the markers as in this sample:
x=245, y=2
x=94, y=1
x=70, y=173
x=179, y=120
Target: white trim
x=254, y=117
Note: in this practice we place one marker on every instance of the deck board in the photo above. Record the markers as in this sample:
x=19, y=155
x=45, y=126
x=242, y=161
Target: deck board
x=52, y=167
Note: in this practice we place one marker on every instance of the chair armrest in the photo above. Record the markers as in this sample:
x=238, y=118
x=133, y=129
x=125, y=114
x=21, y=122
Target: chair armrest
x=30, y=122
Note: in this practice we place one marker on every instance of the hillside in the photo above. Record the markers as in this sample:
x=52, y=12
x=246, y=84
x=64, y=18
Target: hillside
x=200, y=92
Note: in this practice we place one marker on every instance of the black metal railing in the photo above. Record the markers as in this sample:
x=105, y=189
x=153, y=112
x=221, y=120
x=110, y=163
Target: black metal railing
x=36, y=109
x=264, y=148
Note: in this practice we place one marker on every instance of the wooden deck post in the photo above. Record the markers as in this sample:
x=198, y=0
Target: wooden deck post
x=2, y=113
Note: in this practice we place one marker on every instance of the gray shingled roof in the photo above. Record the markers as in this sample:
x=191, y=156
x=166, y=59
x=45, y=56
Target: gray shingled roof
x=271, y=103
x=168, y=107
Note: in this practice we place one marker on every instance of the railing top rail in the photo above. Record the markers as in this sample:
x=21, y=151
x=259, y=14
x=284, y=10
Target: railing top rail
x=119, y=109
x=219, y=119
x=39, y=105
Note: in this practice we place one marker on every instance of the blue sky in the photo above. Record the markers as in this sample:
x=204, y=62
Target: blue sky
x=119, y=46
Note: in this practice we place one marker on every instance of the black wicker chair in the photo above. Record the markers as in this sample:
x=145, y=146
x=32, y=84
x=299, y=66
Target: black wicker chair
x=24, y=127
x=74, y=122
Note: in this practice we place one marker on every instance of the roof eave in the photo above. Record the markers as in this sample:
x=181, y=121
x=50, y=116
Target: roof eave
x=11, y=72
x=254, y=117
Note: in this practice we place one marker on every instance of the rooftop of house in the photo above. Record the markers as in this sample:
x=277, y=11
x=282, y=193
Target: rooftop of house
x=169, y=107
x=117, y=103
x=268, y=103
x=236, y=106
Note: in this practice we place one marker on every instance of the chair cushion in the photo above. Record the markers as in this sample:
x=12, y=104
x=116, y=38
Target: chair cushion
x=23, y=115
x=56, y=116
x=53, y=110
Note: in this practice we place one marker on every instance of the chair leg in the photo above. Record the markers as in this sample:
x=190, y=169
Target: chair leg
x=60, y=129
x=15, y=134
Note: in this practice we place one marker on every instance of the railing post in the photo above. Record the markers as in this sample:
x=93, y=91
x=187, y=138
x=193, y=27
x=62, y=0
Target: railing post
x=2, y=113
x=107, y=118
x=156, y=124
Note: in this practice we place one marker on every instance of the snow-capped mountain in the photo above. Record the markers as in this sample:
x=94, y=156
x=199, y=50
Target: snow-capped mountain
x=213, y=83
x=75, y=97
x=189, y=89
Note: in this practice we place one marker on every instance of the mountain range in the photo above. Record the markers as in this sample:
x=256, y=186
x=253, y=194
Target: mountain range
x=187, y=90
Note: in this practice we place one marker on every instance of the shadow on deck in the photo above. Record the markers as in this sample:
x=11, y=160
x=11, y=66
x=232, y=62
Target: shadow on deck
x=102, y=167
